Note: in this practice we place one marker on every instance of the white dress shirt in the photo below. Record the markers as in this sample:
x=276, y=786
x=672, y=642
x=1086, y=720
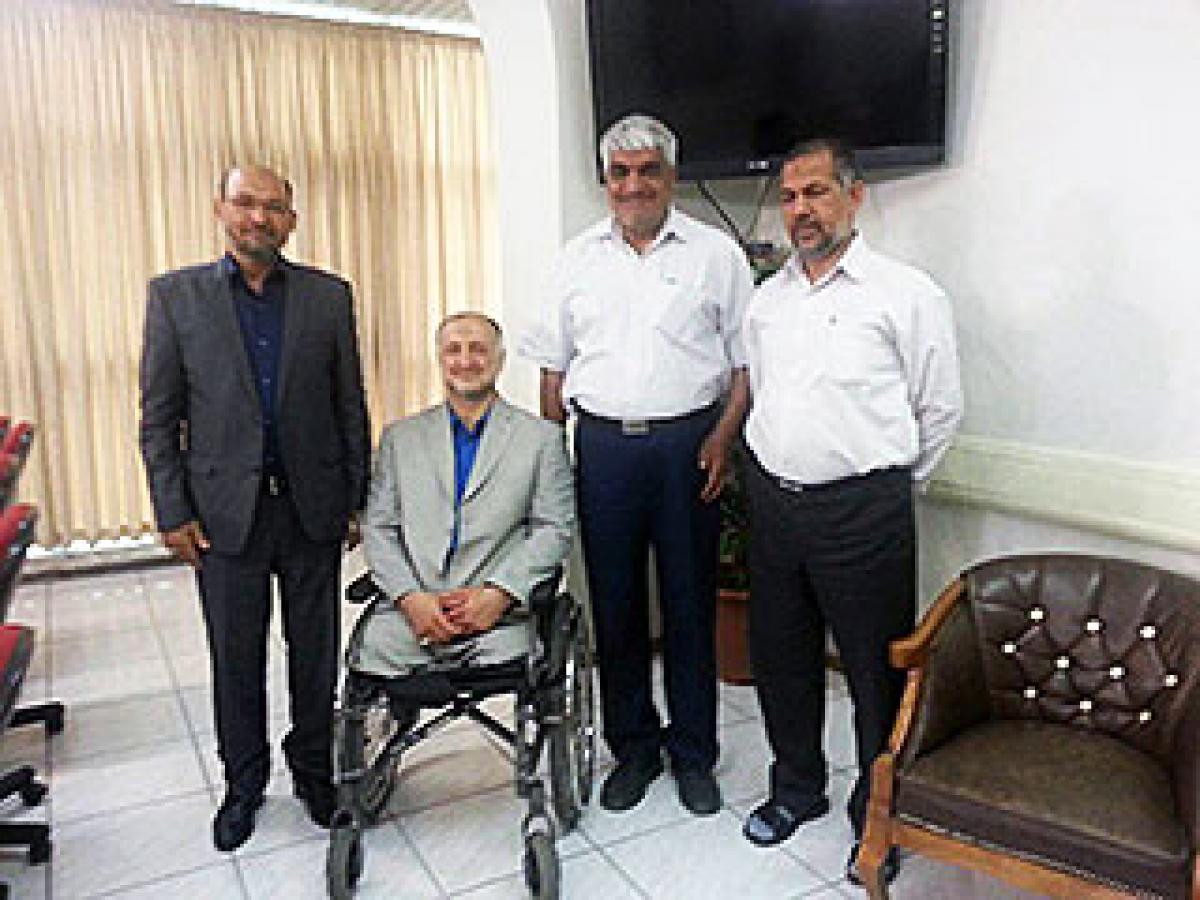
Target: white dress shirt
x=853, y=373
x=644, y=336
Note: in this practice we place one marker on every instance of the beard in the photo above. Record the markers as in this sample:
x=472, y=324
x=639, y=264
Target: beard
x=479, y=394
x=475, y=394
x=262, y=248
x=831, y=241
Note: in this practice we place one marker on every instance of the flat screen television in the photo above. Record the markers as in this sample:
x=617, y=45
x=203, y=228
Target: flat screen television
x=740, y=81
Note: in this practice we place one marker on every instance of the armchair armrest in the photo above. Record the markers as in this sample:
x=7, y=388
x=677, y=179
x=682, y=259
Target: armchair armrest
x=946, y=692
x=911, y=652
x=1186, y=770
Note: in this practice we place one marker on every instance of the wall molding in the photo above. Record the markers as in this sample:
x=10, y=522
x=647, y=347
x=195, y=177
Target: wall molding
x=1144, y=502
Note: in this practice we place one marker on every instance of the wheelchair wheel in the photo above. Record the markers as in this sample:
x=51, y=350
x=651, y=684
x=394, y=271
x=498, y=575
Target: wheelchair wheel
x=573, y=741
x=343, y=861
x=541, y=866
x=379, y=776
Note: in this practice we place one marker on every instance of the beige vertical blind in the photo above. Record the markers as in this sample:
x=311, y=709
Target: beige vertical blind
x=116, y=119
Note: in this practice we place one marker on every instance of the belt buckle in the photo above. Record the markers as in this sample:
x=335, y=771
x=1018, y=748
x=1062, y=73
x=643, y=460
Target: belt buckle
x=788, y=484
x=635, y=427
x=274, y=485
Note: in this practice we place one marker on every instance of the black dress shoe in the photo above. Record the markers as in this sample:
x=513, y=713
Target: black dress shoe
x=627, y=784
x=318, y=797
x=698, y=791
x=891, y=865
x=234, y=821
x=773, y=822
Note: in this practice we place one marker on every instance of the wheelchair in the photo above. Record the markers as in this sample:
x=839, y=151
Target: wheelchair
x=553, y=686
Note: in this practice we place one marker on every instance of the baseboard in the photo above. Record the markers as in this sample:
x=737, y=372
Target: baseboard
x=1144, y=502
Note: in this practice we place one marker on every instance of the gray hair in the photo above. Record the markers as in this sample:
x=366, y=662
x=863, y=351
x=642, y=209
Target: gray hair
x=470, y=314
x=638, y=132
x=845, y=165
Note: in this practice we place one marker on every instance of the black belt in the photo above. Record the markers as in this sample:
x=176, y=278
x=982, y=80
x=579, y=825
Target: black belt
x=793, y=486
x=645, y=426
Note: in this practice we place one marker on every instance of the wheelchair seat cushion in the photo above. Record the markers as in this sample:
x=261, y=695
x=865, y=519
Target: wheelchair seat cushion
x=383, y=644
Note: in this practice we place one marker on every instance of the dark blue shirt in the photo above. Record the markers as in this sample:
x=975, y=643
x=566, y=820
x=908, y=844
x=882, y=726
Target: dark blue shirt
x=466, y=448
x=261, y=320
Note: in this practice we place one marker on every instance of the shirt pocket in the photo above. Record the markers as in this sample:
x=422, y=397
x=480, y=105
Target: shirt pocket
x=686, y=311
x=861, y=351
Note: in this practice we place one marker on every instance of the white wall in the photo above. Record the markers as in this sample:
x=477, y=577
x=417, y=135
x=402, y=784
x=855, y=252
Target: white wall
x=1062, y=226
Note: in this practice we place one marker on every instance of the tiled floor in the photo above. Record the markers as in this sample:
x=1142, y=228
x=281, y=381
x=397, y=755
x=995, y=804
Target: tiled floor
x=135, y=780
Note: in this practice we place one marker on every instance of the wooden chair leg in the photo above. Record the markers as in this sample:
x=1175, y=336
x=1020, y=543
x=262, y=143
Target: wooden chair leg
x=877, y=841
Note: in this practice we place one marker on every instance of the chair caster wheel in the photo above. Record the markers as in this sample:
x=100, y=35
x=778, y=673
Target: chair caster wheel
x=39, y=852
x=33, y=794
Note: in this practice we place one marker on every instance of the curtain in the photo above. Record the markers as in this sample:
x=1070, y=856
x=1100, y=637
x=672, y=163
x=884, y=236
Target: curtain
x=116, y=119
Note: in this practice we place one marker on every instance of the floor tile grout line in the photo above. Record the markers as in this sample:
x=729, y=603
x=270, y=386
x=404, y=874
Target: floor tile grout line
x=602, y=851
x=150, y=882
x=135, y=807
x=398, y=827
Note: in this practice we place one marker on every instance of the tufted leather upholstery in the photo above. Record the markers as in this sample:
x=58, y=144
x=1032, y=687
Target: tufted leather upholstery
x=1059, y=720
x=1109, y=646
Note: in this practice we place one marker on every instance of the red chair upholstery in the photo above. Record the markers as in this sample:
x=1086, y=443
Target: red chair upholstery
x=16, y=651
x=17, y=439
x=10, y=472
x=16, y=534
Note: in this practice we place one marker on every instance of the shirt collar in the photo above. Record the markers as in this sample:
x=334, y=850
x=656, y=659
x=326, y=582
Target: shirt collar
x=674, y=227
x=459, y=427
x=233, y=271
x=854, y=264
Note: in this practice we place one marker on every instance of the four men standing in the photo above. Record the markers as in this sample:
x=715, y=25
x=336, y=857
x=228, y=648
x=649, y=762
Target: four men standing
x=254, y=435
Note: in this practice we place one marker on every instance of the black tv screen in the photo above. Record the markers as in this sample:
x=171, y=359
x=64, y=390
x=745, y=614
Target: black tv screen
x=740, y=81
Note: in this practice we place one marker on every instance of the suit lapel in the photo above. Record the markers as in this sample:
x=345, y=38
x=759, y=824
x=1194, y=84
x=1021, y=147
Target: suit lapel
x=294, y=317
x=439, y=447
x=491, y=447
x=230, y=329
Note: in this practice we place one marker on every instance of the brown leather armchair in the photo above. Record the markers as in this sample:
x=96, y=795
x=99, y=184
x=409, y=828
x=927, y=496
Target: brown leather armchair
x=1050, y=731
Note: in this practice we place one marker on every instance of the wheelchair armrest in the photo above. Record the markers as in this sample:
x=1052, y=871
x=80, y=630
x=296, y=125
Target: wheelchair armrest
x=544, y=596
x=363, y=589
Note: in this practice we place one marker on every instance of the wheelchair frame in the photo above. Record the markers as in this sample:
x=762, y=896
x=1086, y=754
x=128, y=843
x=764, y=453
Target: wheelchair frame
x=376, y=723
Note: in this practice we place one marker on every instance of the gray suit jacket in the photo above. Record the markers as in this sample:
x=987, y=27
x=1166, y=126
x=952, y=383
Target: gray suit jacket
x=201, y=430
x=517, y=513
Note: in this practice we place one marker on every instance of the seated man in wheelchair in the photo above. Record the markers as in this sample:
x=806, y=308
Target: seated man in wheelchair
x=468, y=521
x=471, y=505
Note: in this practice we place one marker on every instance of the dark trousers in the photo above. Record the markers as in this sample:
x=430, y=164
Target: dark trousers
x=638, y=491
x=236, y=597
x=842, y=556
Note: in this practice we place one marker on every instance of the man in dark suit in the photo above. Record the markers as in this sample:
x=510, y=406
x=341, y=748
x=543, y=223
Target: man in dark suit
x=255, y=441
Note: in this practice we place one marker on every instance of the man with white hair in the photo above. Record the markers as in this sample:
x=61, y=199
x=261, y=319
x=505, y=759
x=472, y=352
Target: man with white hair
x=640, y=342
